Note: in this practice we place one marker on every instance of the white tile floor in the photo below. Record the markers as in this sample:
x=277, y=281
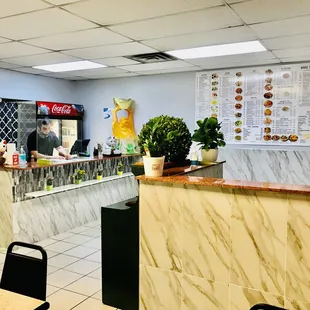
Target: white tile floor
x=74, y=269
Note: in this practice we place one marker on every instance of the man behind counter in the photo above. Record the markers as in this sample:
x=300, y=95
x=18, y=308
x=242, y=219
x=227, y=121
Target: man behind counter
x=42, y=141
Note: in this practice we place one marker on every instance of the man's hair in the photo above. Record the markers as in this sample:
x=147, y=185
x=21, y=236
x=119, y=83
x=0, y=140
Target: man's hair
x=44, y=122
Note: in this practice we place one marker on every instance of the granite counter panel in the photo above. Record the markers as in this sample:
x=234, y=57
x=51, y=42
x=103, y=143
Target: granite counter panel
x=232, y=184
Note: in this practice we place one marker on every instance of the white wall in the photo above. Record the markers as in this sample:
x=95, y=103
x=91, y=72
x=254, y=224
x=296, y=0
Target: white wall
x=171, y=94
x=15, y=85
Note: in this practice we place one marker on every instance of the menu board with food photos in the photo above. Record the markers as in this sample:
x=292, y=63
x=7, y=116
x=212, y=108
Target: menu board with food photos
x=262, y=105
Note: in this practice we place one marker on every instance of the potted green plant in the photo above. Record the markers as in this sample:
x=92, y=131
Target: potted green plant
x=209, y=137
x=79, y=176
x=49, y=184
x=99, y=175
x=120, y=168
x=163, y=138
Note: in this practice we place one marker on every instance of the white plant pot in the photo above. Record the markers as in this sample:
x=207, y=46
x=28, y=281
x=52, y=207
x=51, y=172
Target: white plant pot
x=153, y=166
x=209, y=156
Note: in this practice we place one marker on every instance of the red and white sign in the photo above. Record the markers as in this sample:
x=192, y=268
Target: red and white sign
x=59, y=109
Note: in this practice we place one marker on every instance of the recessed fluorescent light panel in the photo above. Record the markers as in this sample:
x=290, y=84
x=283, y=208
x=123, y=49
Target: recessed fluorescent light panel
x=70, y=66
x=219, y=50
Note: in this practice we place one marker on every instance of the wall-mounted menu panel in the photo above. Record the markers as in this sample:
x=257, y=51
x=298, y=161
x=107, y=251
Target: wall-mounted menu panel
x=262, y=105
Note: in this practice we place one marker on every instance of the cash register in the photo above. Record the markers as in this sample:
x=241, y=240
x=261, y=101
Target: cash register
x=80, y=148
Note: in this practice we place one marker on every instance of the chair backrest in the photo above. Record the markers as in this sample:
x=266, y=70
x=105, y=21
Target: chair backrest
x=265, y=307
x=23, y=274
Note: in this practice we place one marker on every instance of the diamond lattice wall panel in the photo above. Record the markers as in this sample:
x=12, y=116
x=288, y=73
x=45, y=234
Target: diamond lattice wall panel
x=26, y=122
x=8, y=121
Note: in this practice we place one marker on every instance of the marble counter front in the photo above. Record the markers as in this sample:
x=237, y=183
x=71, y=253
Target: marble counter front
x=222, y=248
x=29, y=213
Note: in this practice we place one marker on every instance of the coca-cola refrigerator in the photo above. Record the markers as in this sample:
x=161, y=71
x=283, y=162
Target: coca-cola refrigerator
x=66, y=121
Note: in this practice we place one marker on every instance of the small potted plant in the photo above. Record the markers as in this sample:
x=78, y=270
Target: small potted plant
x=166, y=136
x=99, y=175
x=73, y=178
x=49, y=184
x=79, y=176
x=209, y=137
x=120, y=168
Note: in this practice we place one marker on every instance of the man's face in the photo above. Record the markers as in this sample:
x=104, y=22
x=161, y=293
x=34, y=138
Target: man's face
x=45, y=129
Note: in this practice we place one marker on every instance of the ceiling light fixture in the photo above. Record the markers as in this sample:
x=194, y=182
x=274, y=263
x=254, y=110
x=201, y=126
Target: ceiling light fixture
x=70, y=66
x=219, y=50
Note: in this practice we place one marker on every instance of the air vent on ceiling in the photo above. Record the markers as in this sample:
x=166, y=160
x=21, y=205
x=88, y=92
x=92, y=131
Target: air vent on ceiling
x=152, y=57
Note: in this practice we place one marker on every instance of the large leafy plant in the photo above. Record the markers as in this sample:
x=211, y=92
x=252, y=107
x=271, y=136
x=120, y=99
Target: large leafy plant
x=166, y=136
x=208, y=134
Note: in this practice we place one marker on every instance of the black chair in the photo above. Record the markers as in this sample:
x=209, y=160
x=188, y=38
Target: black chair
x=265, y=307
x=23, y=274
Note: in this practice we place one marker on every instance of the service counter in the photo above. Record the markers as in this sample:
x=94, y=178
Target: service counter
x=209, y=243
x=30, y=213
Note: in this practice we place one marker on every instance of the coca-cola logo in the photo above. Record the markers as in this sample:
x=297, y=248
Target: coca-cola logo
x=65, y=109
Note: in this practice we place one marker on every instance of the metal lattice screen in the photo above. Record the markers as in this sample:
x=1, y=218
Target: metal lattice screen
x=9, y=121
x=26, y=122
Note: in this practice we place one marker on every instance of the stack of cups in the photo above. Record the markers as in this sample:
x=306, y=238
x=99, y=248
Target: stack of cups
x=10, y=150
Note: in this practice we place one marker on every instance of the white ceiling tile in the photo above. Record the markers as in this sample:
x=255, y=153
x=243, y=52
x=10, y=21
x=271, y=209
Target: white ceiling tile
x=107, y=12
x=179, y=24
x=158, y=66
x=112, y=76
x=221, y=36
x=287, y=42
x=58, y=74
x=173, y=70
x=235, y=1
x=219, y=65
x=226, y=60
x=98, y=71
x=256, y=11
x=295, y=59
x=29, y=70
x=75, y=78
x=61, y=2
x=16, y=49
x=116, y=61
x=282, y=28
x=41, y=23
x=293, y=52
x=79, y=39
x=4, y=65
x=13, y=7
x=41, y=59
x=3, y=40
x=109, y=51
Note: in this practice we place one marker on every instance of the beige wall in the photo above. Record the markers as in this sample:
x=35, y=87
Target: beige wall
x=214, y=248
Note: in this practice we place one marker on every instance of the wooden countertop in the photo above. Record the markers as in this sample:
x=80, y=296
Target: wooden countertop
x=210, y=182
x=13, y=301
x=65, y=162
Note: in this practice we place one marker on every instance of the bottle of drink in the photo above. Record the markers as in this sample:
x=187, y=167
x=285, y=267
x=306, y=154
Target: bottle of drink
x=22, y=156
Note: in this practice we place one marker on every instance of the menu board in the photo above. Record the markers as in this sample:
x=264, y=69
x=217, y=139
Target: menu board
x=262, y=105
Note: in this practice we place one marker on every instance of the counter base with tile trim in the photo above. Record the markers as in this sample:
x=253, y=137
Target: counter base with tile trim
x=37, y=219
x=68, y=205
x=207, y=246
